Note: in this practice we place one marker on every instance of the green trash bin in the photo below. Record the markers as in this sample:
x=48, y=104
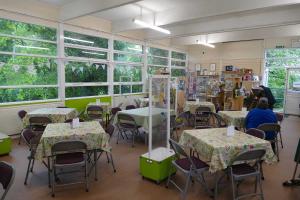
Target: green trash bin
x=157, y=166
x=5, y=144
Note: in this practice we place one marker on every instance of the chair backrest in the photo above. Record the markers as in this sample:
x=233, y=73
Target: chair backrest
x=137, y=103
x=115, y=110
x=130, y=107
x=220, y=122
x=269, y=127
x=61, y=107
x=249, y=155
x=68, y=147
x=7, y=175
x=202, y=116
x=177, y=148
x=22, y=114
x=297, y=154
x=94, y=108
x=110, y=130
x=256, y=133
x=27, y=135
x=279, y=116
x=40, y=121
x=124, y=120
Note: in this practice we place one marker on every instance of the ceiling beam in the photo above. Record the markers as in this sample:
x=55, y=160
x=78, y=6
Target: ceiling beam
x=197, y=9
x=232, y=36
x=82, y=8
x=289, y=15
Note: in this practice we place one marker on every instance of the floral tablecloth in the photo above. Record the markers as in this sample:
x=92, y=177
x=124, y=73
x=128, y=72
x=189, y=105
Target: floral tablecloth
x=218, y=149
x=57, y=115
x=141, y=116
x=193, y=105
x=235, y=118
x=89, y=132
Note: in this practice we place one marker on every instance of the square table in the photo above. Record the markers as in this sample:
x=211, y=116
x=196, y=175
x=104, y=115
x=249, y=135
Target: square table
x=215, y=147
x=90, y=133
x=193, y=105
x=141, y=116
x=57, y=115
x=235, y=118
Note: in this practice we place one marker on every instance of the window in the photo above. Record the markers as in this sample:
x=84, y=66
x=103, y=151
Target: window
x=85, y=78
x=276, y=62
x=178, y=64
x=27, y=56
x=128, y=66
x=157, y=60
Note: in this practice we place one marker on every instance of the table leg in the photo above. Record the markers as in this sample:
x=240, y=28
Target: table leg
x=95, y=164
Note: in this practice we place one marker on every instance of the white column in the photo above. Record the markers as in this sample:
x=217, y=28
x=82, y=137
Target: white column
x=145, y=67
x=60, y=62
x=110, y=74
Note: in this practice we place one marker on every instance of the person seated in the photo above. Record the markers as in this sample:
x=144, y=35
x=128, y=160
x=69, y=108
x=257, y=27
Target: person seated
x=268, y=93
x=260, y=115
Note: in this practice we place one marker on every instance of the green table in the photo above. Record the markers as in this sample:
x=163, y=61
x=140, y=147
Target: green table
x=215, y=147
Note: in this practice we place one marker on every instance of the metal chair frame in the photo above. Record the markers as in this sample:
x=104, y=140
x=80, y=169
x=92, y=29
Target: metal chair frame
x=273, y=127
x=247, y=157
x=7, y=188
x=126, y=123
x=66, y=147
x=193, y=172
x=94, y=112
x=202, y=116
x=280, y=118
x=38, y=124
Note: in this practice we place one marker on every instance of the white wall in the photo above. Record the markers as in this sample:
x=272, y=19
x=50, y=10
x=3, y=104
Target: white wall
x=244, y=54
x=10, y=122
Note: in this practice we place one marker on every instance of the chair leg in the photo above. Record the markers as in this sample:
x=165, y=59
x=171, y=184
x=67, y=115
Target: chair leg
x=118, y=136
x=262, y=171
x=281, y=139
x=133, y=135
x=20, y=138
x=31, y=169
x=27, y=172
x=107, y=157
x=86, y=177
x=186, y=187
x=233, y=188
x=277, y=149
x=260, y=187
x=53, y=181
x=112, y=162
x=49, y=171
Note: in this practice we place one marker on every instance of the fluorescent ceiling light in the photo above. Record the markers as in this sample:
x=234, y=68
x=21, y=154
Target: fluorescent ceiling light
x=147, y=25
x=79, y=40
x=134, y=49
x=205, y=44
x=32, y=47
x=88, y=52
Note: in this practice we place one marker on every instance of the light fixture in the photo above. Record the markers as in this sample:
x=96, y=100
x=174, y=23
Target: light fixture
x=134, y=49
x=79, y=40
x=147, y=25
x=205, y=44
x=32, y=47
x=94, y=53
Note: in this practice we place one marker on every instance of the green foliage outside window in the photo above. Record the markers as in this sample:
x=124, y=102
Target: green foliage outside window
x=178, y=55
x=33, y=31
x=276, y=62
x=85, y=72
x=86, y=91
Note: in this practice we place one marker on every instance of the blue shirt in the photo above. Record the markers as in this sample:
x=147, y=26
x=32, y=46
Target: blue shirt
x=259, y=116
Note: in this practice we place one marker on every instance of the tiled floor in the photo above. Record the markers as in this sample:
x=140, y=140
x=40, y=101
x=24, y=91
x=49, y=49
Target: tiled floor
x=128, y=184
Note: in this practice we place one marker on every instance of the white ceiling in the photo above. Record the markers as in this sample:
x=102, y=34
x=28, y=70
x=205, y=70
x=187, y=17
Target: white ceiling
x=189, y=19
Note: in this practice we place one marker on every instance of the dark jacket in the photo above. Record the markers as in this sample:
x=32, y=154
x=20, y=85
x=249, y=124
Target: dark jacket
x=269, y=95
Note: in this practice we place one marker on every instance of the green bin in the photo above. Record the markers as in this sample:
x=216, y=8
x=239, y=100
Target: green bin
x=157, y=166
x=5, y=144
